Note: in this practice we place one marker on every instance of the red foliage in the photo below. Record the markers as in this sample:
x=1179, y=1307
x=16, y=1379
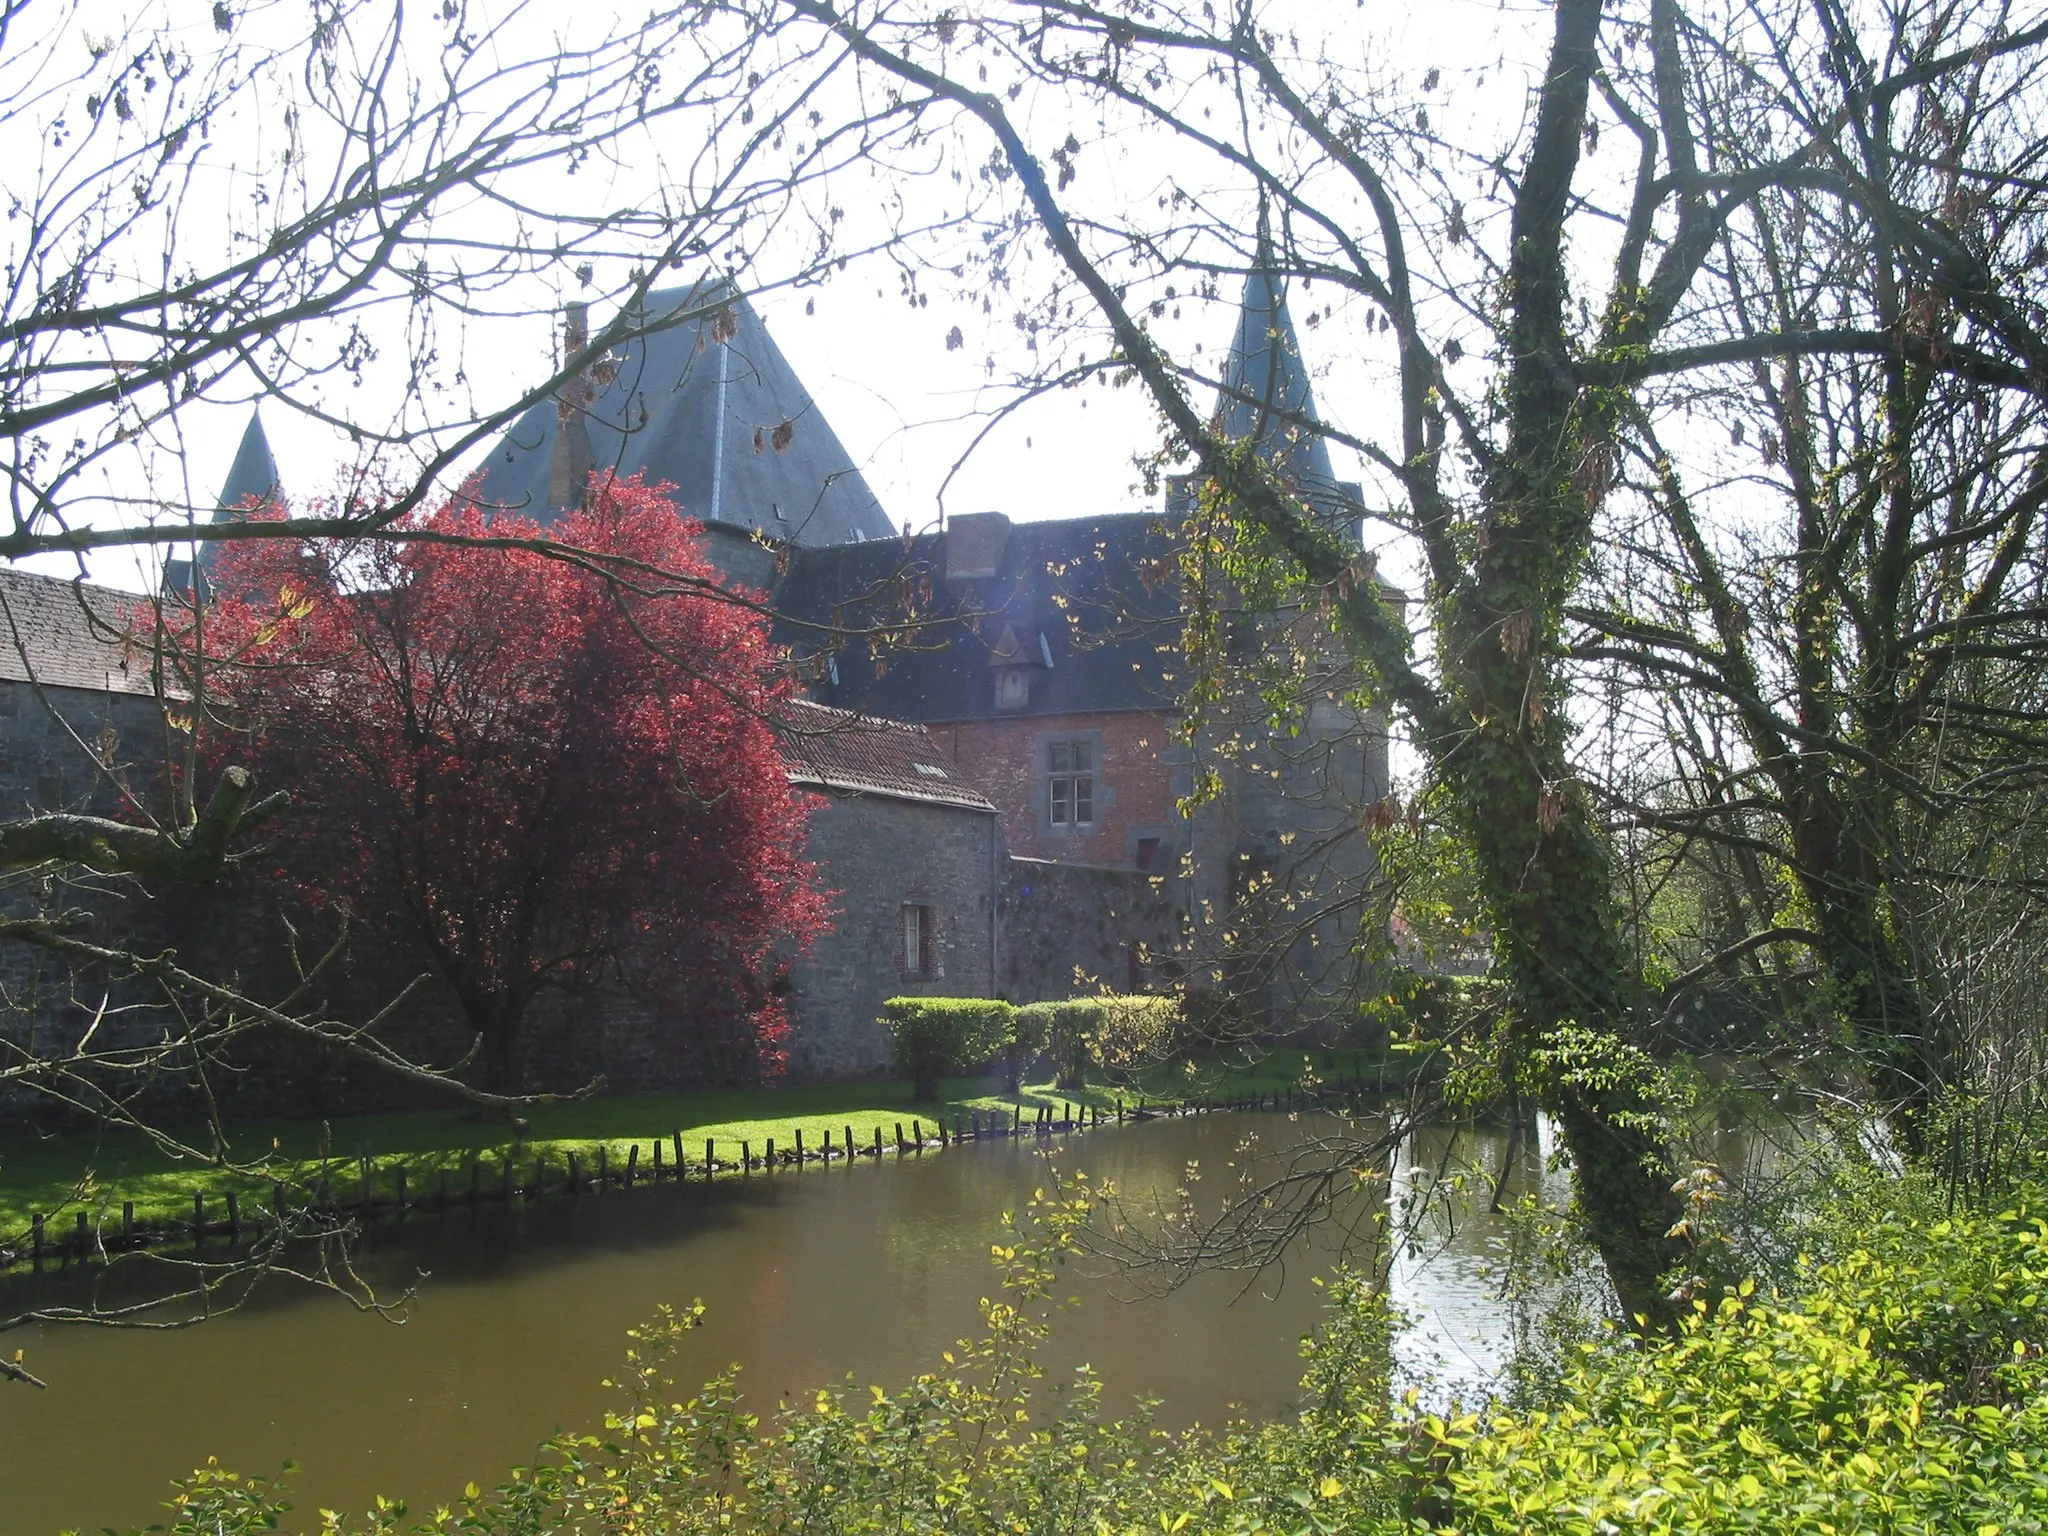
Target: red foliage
x=522, y=772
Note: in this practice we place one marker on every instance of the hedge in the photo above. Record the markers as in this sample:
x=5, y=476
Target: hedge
x=932, y=1036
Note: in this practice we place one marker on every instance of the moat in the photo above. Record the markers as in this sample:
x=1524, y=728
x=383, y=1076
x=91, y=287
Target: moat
x=810, y=1279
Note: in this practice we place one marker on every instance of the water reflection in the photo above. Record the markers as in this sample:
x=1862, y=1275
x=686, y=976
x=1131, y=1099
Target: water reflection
x=810, y=1278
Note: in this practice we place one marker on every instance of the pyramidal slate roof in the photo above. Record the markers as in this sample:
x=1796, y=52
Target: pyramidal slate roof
x=1088, y=607
x=1266, y=396
x=704, y=400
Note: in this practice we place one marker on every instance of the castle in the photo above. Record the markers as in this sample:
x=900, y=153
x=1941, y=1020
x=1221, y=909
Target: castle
x=995, y=715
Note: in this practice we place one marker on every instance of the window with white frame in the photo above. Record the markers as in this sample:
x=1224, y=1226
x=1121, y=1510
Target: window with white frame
x=1070, y=783
x=916, y=956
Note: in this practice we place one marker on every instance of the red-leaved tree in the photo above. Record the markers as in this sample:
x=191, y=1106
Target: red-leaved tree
x=522, y=771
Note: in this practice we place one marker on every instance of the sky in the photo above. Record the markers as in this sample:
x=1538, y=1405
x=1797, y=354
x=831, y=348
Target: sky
x=906, y=405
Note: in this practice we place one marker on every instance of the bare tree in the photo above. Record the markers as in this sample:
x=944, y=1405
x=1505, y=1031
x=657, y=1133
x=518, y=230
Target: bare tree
x=1539, y=305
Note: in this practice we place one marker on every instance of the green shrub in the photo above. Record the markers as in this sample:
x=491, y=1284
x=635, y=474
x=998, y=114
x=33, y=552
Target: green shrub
x=1031, y=1037
x=1121, y=1032
x=932, y=1036
x=1807, y=1414
x=1134, y=1031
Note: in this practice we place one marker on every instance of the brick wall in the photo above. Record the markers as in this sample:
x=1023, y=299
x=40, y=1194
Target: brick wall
x=878, y=855
x=1139, y=765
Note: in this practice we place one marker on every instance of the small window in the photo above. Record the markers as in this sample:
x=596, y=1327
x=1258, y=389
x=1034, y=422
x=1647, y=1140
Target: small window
x=1148, y=852
x=916, y=958
x=1070, y=784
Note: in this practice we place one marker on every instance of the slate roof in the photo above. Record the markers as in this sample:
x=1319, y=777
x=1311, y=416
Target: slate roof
x=252, y=477
x=834, y=749
x=1266, y=397
x=71, y=634
x=708, y=403
x=1090, y=606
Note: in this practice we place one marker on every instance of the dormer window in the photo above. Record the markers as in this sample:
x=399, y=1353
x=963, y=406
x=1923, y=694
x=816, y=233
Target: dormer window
x=1013, y=687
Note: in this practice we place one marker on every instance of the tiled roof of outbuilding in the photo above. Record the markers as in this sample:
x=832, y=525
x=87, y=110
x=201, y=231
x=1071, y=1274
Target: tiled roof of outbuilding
x=70, y=634
x=836, y=749
x=1090, y=604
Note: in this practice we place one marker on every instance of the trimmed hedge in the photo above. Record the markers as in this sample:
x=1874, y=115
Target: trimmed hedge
x=937, y=1035
x=933, y=1036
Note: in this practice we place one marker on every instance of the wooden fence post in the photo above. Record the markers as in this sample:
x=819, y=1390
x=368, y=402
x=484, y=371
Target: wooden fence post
x=878, y=1143
x=710, y=1162
x=657, y=1159
x=799, y=1149
x=849, y=1146
x=127, y=1222
x=768, y=1157
x=398, y=1183
x=575, y=1174
x=36, y=1238
x=632, y=1163
x=84, y=1234
x=746, y=1158
x=604, y=1171
x=899, y=1138
x=234, y=1217
x=198, y=1217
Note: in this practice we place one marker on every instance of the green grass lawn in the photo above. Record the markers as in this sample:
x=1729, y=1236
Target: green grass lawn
x=57, y=1175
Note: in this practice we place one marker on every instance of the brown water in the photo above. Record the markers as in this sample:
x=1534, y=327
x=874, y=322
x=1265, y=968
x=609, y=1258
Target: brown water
x=809, y=1278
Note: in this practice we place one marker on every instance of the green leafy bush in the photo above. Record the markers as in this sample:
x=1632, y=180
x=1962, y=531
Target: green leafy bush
x=932, y=1036
x=1118, y=1031
x=1031, y=1036
x=1902, y=1390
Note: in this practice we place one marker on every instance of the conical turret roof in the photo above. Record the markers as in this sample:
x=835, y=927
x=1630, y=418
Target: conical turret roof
x=707, y=402
x=1266, y=397
x=252, y=478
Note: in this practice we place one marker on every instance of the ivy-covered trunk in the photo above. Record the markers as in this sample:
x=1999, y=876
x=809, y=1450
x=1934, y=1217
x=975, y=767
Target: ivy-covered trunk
x=1910, y=1057
x=1543, y=863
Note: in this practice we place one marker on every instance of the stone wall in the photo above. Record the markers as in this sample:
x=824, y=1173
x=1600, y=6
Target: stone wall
x=878, y=855
x=77, y=759
x=1072, y=928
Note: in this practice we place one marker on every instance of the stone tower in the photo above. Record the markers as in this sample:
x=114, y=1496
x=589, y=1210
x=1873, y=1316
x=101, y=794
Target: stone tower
x=1284, y=878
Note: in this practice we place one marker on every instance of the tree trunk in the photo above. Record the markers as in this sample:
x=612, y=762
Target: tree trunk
x=1543, y=863
x=504, y=1049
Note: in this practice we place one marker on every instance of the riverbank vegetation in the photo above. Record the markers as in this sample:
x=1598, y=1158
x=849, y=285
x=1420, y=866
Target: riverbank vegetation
x=1895, y=1380
x=101, y=1169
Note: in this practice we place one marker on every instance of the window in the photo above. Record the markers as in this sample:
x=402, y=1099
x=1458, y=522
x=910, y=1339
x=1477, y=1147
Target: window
x=916, y=959
x=1070, y=784
x=1148, y=852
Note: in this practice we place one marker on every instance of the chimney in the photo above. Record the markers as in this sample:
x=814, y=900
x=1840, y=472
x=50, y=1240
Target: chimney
x=975, y=542
x=569, y=462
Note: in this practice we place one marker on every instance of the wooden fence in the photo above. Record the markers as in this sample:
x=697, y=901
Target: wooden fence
x=365, y=1188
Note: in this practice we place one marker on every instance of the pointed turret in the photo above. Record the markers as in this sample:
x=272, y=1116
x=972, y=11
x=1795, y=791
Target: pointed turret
x=704, y=400
x=252, y=483
x=1266, y=397
x=252, y=479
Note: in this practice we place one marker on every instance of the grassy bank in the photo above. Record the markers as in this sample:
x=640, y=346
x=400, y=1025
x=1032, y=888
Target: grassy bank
x=58, y=1174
